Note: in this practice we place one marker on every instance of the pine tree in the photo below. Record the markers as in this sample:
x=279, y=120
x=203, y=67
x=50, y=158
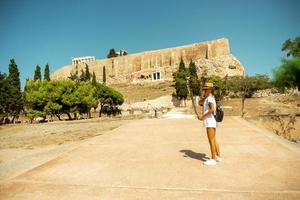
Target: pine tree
x=112, y=53
x=15, y=100
x=47, y=73
x=37, y=73
x=292, y=47
x=94, y=80
x=87, y=73
x=104, y=75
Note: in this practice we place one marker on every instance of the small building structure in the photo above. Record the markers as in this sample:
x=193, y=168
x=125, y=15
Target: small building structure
x=85, y=59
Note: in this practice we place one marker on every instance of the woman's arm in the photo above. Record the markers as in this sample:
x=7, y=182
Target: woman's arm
x=200, y=102
x=210, y=111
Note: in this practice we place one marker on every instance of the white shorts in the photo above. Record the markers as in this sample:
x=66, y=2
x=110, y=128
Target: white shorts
x=210, y=122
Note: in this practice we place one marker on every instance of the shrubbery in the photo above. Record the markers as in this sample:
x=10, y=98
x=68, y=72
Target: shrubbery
x=187, y=82
x=68, y=97
x=109, y=99
x=44, y=98
x=287, y=75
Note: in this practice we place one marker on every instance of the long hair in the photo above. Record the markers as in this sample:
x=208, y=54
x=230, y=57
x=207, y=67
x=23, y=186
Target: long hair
x=213, y=91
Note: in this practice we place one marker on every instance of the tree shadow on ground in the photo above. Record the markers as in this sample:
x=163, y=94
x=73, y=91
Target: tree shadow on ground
x=194, y=155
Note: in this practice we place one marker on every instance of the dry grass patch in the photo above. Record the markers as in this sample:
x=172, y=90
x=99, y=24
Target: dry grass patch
x=138, y=93
x=30, y=136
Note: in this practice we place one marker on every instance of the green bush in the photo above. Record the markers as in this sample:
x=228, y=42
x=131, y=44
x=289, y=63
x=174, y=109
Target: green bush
x=220, y=85
x=44, y=98
x=287, y=75
x=108, y=96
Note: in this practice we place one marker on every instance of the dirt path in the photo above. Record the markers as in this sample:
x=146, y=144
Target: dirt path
x=162, y=159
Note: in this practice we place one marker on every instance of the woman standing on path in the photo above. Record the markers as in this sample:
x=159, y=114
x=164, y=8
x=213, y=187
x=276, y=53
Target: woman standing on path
x=209, y=121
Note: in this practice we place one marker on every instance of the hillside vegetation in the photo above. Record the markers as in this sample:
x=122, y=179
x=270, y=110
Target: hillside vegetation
x=138, y=93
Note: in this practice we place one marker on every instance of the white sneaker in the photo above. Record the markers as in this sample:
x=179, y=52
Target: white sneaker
x=210, y=162
x=219, y=159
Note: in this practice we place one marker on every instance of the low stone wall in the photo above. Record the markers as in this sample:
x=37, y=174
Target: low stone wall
x=275, y=92
x=151, y=108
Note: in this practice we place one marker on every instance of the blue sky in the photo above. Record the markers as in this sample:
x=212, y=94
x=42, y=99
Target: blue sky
x=52, y=31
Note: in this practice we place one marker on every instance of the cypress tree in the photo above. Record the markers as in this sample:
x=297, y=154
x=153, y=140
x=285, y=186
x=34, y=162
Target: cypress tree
x=74, y=76
x=15, y=100
x=94, y=81
x=37, y=73
x=87, y=73
x=104, y=75
x=182, y=66
x=194, y=82
x=47, y=73
x=4, y=88
x=82, y=75
x=180, y=81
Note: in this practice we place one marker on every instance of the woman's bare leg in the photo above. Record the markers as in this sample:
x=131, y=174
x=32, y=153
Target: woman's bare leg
x=217, y=145
x=211, y=138
x=217, y=148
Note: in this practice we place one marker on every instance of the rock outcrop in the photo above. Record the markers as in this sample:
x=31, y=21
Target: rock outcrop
x=213, y=57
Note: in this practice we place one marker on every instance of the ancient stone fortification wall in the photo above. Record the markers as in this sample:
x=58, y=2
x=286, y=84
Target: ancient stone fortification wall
x=214, y=57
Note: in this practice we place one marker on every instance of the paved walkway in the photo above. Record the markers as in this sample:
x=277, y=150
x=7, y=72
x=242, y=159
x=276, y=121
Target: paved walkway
x=162, y=159
x=178, y=113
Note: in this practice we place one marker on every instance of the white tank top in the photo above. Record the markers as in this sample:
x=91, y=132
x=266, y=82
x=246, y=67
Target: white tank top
x=209, y=121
